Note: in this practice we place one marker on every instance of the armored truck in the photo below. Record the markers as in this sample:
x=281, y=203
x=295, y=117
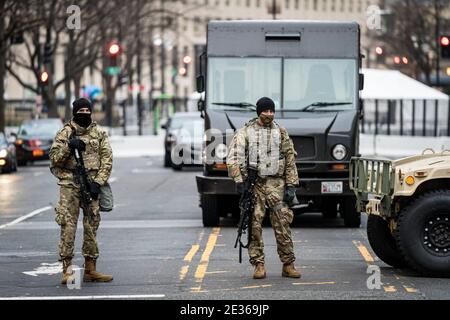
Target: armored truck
x=311, y=71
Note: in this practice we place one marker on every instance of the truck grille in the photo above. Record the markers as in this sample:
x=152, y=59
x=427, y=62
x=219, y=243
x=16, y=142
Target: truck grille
x=304, y=146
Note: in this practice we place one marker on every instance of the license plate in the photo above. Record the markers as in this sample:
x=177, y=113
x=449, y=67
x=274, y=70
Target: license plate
x=38, y=153
x=332, y=187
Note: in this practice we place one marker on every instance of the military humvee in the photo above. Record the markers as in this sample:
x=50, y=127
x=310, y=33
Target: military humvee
x=408, y=207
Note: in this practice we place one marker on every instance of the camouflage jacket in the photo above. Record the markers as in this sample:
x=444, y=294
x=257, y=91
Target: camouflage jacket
x=97, y=158
x=269, y=150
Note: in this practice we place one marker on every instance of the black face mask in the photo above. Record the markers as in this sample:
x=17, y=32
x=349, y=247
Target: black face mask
x=82, y=119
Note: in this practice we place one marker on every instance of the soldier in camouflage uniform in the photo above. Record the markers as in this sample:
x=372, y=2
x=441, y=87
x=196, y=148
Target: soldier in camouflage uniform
x=265, y=146
x=84, y=134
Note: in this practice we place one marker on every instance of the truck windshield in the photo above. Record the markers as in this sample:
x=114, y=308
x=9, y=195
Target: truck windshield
x=238, y=80
x=304, y=82
x=328, y=84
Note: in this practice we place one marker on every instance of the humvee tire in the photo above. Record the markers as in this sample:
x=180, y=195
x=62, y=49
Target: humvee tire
x=329, y=209
x=383, y=242
x=352, y=218
x=210, y=210
x=423, y=233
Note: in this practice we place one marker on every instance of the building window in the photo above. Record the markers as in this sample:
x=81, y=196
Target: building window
x=296, y=4
x=238, y=2
x=227, y=2
x=333, y=5
x=258, y=3
x=342, y=5
x=248, y=3
x=306, y=4
x=350, y=6
x=315, y=5
x=324, y=5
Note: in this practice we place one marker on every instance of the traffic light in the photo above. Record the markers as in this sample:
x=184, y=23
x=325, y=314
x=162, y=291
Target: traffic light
x=445, y=46
x=379, y=51
x=48, y=52
x=113, y=50
x=43, y=78
x=186, y=61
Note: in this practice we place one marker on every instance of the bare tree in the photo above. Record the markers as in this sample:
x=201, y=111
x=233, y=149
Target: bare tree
x=16, y=17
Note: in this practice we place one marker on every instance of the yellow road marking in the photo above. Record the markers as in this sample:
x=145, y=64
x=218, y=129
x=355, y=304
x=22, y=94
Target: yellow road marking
x=213, y=272
x=183, y=272
x=389, y=289
x=255, y=287
x=312, y=283
x=410, y=289
x=363, y=251
x=204, y=261
x=191, y=252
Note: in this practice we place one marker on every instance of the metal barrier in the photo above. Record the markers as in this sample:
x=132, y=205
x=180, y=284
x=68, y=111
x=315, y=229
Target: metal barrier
x=406, y=117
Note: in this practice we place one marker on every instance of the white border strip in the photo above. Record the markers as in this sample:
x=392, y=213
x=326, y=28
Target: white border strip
x=137, y=296
x=25, y=217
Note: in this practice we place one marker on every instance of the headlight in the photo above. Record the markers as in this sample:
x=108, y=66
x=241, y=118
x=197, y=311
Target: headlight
x=3, y=153
x=221, y=151
x=339, y=152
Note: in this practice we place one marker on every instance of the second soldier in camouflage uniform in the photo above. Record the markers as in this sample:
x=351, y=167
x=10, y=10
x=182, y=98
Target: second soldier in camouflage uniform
x=84, y=134
x=263, y=145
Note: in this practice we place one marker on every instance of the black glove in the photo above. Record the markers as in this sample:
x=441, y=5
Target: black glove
x=289, y=194
x=240, y=187
x=77, y=144
x=95, y=190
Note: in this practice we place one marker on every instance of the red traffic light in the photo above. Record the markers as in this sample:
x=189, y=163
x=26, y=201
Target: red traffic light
x=43, y=77
x=182, y=71
x=187, y=59
x=405, y=60
x=379, y=50
x=397, y=60
x=445, y=41
x=113, y=49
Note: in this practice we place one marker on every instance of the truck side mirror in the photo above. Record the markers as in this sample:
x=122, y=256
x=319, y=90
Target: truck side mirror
x=200, y=84
x=361, y=81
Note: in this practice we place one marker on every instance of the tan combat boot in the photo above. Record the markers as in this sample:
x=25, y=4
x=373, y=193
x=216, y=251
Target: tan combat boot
x=66, y=275
x=91, y=275
x=260, y=271
x=289, y=271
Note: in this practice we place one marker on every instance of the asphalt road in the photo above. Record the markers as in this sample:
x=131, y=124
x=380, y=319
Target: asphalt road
x=156, y=247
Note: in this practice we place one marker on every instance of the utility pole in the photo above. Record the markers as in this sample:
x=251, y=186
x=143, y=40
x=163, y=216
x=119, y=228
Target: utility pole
x=437, y=32
x=163, y=58
x=152, y=79
x=139, y=68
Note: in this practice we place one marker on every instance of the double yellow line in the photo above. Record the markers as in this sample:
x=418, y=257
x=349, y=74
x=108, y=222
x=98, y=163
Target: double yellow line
x=204, y=260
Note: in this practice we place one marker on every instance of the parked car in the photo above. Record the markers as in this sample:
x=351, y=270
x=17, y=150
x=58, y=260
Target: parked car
x=187, y=142
x=8, y=160
x=174, y=123
x=34, y=139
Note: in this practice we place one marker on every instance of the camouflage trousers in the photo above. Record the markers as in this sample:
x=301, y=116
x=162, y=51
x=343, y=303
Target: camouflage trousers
x=67, y=212
x=269, y=193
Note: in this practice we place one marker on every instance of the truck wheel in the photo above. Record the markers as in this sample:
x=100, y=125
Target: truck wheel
x=423, y=233
x=210, y=210
x=383, y=242
x=329, y=209
x=352, y=218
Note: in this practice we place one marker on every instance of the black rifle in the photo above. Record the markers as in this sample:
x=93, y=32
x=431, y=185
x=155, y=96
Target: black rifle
x=247, y=206
x=82, y=179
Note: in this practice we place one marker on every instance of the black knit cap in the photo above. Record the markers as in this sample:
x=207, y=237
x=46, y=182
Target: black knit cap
x=81, y=103
x=264, y=104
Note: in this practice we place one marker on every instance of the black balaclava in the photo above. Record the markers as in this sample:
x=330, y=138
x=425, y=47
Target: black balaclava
x=264, y=104
x=82, y=119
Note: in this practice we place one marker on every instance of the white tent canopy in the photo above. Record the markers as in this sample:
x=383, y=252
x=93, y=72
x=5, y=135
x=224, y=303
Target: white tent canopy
x=394, y=85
